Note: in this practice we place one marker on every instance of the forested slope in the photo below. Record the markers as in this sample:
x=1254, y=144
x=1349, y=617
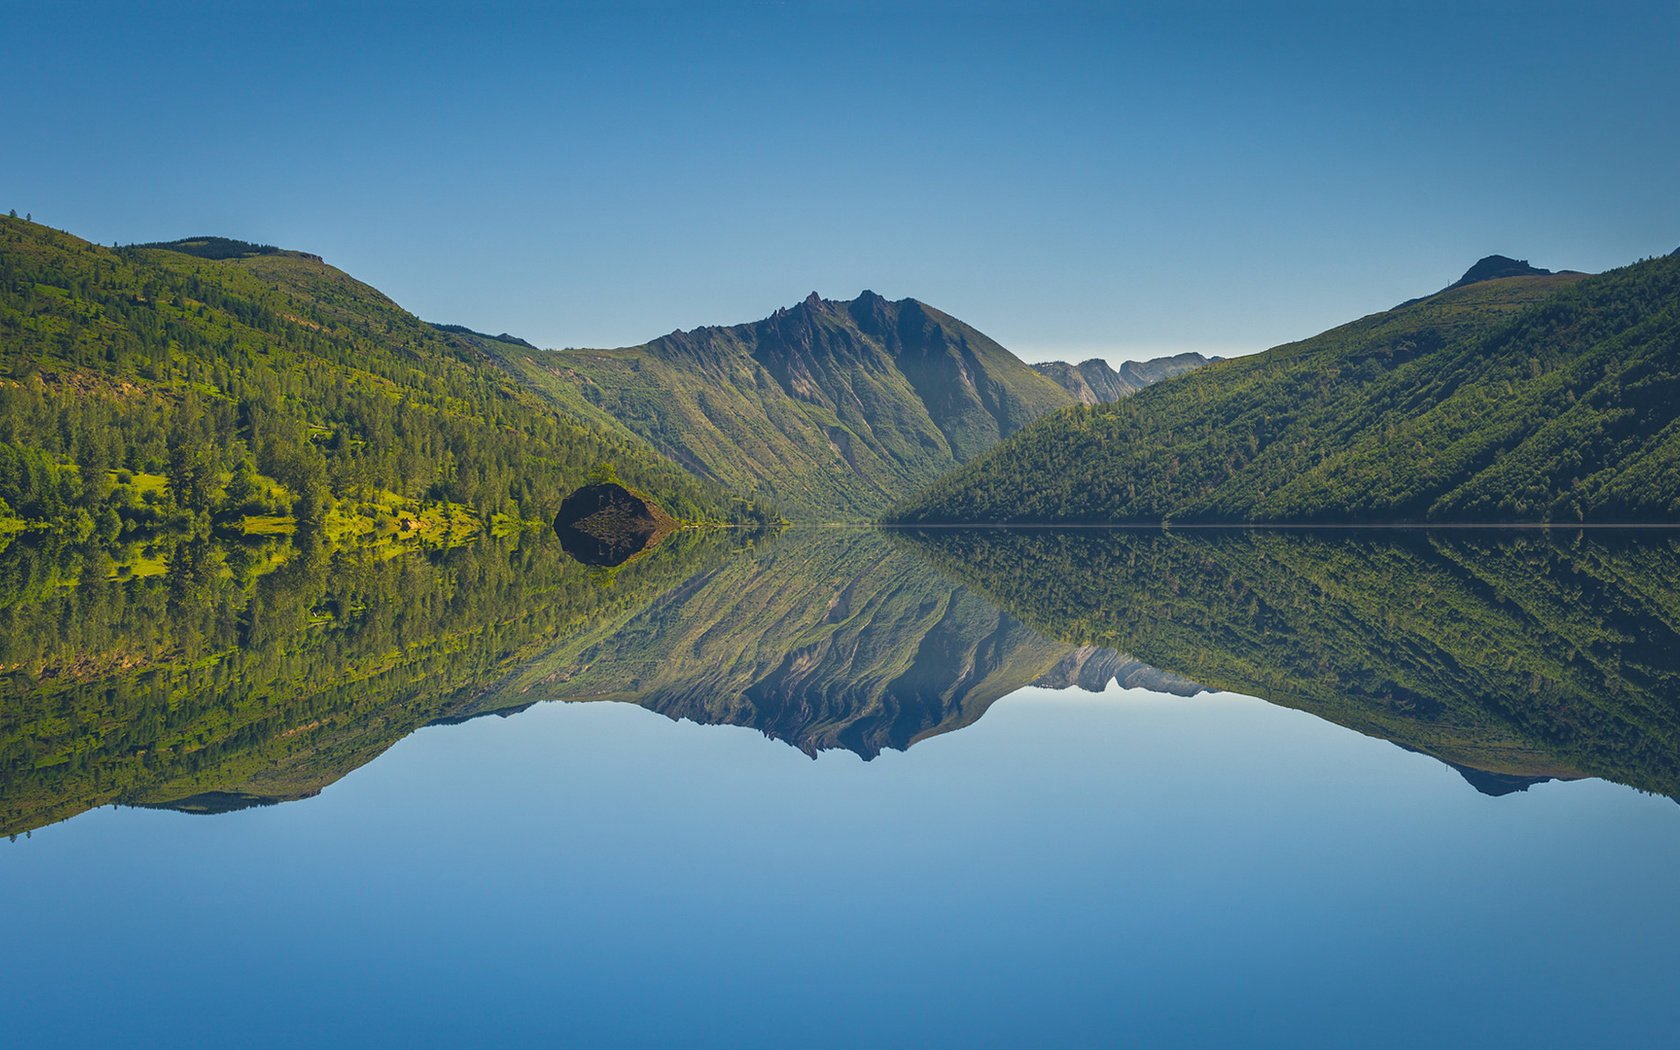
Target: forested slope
x=1542, y=397
x=165, y=387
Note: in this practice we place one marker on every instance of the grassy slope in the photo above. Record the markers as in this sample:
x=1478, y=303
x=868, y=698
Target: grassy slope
x=280, y=349
x=1526, y=654
x=829, y=409
x=1520, y=399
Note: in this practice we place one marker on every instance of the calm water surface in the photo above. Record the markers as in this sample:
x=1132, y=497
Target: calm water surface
x=1067, y=789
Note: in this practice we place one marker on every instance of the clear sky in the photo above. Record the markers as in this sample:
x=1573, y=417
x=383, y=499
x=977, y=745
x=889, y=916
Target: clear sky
x=1073, y=179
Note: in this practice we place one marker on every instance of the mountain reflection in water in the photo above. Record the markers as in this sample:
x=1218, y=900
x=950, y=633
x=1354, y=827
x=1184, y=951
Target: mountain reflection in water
x=1514, y=656
x=826, y=639
x=209, y=677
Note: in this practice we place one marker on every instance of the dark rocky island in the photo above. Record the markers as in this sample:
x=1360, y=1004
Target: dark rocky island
x=607, y=524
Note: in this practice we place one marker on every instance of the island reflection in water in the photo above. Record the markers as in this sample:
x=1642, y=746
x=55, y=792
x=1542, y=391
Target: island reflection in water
x=207, y=677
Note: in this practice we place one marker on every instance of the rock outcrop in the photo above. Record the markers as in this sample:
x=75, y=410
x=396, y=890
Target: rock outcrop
x=607, y=524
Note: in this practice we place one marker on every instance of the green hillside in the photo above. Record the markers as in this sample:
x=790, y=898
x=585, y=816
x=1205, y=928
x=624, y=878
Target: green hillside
x=209, y=381
x=1537, y=397
x=830, y=409
x=1523, y=654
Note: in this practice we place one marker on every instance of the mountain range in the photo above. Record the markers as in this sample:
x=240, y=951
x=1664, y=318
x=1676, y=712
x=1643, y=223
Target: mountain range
x=829, y=410
x=247, y=483
x=256, y=672
x=840, y=639
x=212, y=382
x=1097, y=382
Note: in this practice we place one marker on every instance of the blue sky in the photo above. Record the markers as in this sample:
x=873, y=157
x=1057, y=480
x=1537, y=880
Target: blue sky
x=1073, y=179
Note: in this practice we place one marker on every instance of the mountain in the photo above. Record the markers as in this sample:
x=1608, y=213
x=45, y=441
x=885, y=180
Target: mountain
x=1513, y=656
x=1095, y=381
x=829, y=409
x=1528, y=398
x=210, y=381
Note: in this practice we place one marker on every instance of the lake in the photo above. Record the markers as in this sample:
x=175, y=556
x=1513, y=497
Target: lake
x=845, y=786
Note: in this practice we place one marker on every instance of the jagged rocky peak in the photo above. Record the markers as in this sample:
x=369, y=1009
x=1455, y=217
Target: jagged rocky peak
x=871, y=313
x=799, y=314
x=1092, y=668
x=866, y=300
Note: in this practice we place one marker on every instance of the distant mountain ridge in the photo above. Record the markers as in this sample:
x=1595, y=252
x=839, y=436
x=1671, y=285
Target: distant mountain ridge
x=461, y=329
x=1525, y=398
x=1096, y=382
